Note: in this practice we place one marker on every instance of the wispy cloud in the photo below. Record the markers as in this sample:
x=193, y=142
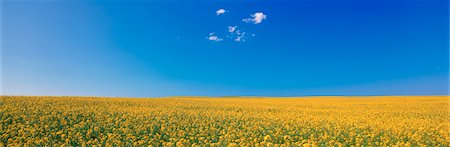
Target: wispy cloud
x=234, y=33
x=214, y=37
x=238, y=39
x=220, y=11
x=231, y=29
x=240, y=36
x=255, y=18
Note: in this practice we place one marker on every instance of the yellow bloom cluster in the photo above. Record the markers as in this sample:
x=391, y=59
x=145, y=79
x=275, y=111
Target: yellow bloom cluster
x=188, y=121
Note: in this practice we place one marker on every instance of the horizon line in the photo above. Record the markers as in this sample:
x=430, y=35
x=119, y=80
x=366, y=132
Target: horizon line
x=239, y=96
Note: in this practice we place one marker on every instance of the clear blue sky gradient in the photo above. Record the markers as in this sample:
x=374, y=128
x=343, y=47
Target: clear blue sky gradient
x=159, y=48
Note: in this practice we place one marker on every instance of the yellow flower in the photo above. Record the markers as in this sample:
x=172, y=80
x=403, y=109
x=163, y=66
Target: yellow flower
x=267, y=138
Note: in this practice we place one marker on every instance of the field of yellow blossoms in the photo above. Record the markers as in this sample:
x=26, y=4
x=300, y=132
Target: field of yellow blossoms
x=187, y=121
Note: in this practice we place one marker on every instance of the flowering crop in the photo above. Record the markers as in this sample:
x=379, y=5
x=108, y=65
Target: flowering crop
x=188, y=121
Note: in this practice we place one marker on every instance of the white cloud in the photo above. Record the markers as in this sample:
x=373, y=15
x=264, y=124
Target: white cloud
x=256, y=18
x=238, y=39
x=247, y=20
x=213, y=37
x=231, y=29
x=220, y=11
x=240, y=36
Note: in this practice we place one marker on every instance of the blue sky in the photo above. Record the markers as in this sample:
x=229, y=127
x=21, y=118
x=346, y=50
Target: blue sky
x=164, y=48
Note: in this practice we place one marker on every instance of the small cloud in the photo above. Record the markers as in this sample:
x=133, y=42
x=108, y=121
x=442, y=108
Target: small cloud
x=240, y=36
x=256, y=18
x=213, y=37
x=247, y=20
x=220, y=11
x=231, y=29
x=238, y=39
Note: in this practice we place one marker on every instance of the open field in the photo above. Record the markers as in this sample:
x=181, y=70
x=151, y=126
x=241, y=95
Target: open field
x=317, y=121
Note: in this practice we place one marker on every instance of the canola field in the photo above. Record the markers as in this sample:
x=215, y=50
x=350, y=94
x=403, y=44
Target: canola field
x=187, y=121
